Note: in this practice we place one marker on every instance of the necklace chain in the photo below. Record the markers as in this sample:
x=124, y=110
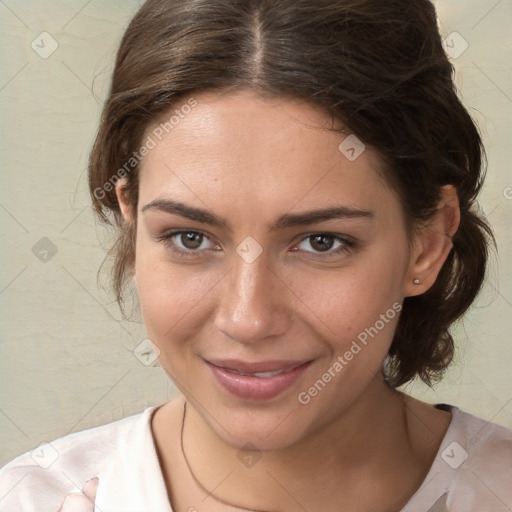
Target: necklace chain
x=209, y=494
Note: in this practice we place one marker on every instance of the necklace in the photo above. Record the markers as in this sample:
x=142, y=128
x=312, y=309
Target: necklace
x=209, y=494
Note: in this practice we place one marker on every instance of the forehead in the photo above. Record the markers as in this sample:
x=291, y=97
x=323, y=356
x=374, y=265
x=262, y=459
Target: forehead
x=256, y=150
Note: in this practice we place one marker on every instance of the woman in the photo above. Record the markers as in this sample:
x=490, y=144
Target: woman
x=293, y=186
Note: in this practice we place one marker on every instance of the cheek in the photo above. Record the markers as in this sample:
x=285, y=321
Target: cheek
x=355, y=311
x=338, y=306
x=348, y=300
x=171, y=296
x=355, y=318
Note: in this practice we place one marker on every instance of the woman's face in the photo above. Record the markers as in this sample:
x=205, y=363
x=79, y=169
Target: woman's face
x=265, y=281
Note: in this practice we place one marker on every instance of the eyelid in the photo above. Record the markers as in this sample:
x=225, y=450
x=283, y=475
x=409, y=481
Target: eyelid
x=347, y=242
x=339, y=236
x=167, y=237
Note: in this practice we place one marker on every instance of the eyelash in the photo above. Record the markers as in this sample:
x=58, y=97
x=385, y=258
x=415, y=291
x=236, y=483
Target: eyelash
x=166, y=239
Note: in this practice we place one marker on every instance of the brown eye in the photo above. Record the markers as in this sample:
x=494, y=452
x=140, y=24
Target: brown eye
x=322, y=242
x=187, y=243
x=191, y=240
x=326, y=244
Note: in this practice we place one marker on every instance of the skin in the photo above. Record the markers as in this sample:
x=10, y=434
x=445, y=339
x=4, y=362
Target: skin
x=81, y=502
x=250, y=160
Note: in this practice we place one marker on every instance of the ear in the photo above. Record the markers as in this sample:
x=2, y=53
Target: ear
x=124, y=204
x=433, y=244
x=127, y=212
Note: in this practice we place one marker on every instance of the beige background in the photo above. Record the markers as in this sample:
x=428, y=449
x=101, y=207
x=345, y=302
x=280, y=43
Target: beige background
x=67, y=360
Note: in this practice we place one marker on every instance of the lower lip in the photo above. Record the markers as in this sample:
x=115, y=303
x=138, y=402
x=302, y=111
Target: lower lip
x=248, y=387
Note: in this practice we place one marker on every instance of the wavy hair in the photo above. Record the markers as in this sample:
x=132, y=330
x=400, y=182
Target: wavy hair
x=378, y=67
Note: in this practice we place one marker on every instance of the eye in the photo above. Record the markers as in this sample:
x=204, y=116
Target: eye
x=324, y=243
x=186, y=243
x=193, y=243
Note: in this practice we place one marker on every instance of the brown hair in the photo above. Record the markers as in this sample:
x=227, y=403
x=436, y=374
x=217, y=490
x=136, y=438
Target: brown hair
x=378, y=67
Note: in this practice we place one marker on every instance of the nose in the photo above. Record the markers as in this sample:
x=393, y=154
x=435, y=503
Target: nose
x=254, y=303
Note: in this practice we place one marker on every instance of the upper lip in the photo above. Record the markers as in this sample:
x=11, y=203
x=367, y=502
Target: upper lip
x=257, y=367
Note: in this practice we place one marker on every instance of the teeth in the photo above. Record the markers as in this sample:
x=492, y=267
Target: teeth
x=268, y=374
x=261, y=375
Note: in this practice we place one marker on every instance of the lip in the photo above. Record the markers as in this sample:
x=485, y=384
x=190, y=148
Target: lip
x=250, y=387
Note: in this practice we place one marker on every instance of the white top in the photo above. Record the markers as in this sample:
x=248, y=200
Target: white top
x=472, y=471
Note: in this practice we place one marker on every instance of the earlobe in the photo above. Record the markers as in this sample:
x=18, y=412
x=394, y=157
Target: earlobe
x=433, y=244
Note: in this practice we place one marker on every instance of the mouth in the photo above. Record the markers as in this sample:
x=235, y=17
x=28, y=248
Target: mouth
x=257, y=381
x=261, y=375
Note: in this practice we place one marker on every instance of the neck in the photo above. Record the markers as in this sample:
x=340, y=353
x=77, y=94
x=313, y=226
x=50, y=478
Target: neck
x=368, y=447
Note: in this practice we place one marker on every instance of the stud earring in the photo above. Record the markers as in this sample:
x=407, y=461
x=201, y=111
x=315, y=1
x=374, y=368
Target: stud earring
x=416, y=281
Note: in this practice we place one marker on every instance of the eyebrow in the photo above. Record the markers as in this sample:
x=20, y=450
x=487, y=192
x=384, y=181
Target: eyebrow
x=284, y=221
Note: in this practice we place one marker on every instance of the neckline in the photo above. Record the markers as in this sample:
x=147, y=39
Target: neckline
x=433, y=471
x=436, y=468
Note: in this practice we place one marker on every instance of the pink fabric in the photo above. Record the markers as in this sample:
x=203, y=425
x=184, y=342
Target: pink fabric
x=472, y=471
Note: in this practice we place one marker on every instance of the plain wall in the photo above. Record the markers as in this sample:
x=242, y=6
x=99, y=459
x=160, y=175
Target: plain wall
x=67, y=360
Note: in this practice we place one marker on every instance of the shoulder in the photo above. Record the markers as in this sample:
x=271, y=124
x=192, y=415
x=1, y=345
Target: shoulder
x=480, y=455
x=483, y=440
x=45, y=474
x=472, y=471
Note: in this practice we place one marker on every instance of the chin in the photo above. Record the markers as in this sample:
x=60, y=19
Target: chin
x=264, y=429
x=249, y=440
